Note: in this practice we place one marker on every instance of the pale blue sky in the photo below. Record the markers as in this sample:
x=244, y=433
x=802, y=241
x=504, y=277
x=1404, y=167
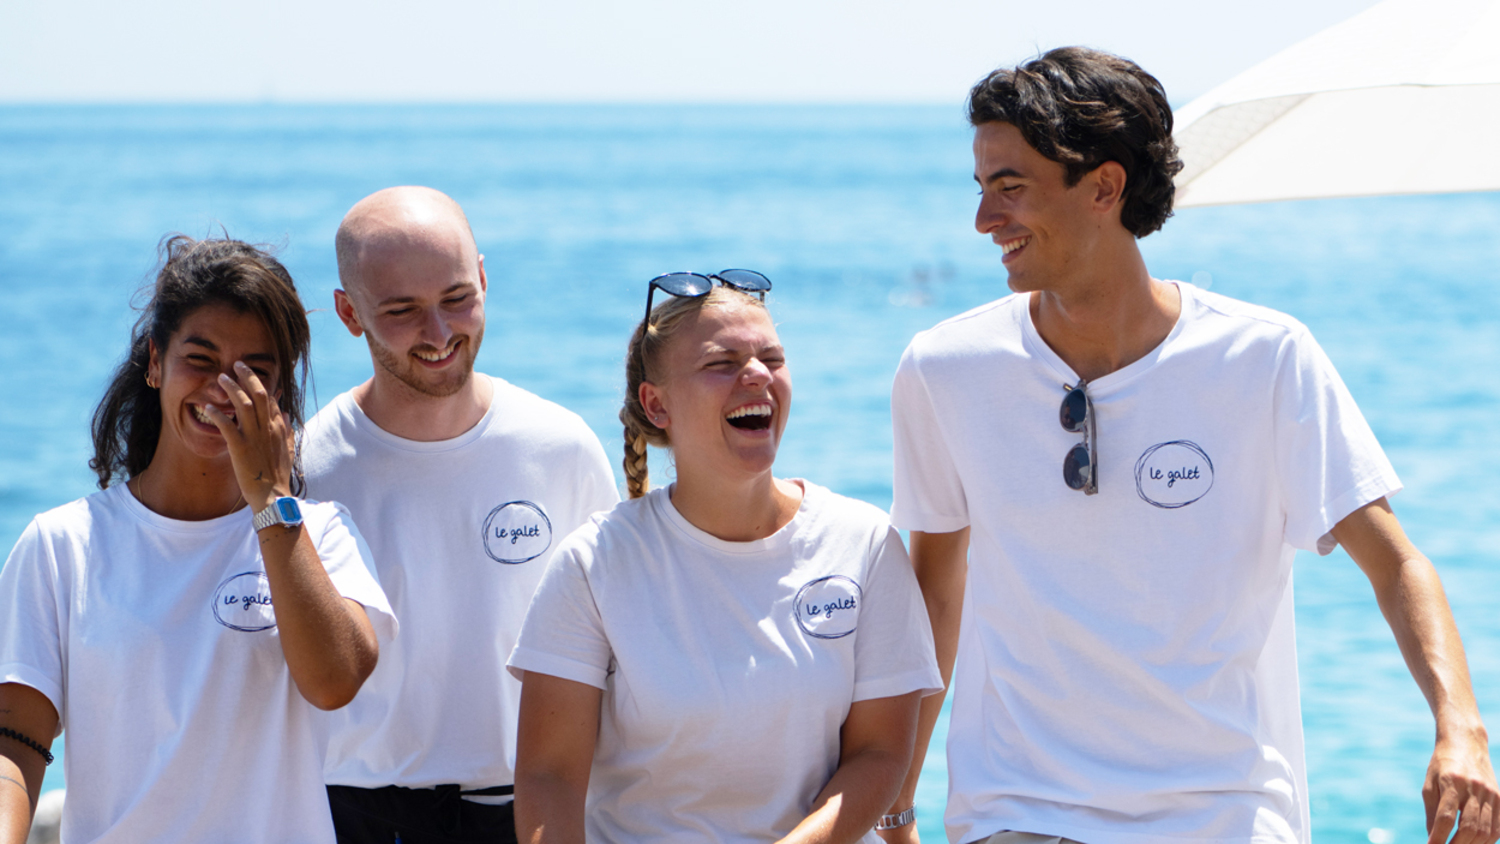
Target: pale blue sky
x=602, y=51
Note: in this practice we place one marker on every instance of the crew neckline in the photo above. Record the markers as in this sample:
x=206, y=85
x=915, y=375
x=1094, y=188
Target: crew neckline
x=142, y=513
x=1114, y=380
x=364, y=423
x=661, y=500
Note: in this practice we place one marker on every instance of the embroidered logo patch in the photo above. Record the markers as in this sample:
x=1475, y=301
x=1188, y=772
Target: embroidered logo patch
x=1175, y=474
x=828, y=608
x=516, y=532
x=243, y=602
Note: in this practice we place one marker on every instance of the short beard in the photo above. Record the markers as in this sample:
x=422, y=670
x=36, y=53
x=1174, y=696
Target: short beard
x=403, y=370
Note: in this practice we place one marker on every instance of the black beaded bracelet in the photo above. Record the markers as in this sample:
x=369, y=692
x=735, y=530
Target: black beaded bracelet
x=28, y=741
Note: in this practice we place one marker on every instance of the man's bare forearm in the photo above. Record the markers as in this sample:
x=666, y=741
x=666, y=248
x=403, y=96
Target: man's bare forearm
x=1460, y=792
x=940, y=561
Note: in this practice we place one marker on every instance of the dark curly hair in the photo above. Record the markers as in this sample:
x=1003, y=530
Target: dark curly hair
x=1081, y=108
x=195, y=273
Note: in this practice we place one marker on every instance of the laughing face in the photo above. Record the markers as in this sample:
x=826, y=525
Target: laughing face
x=725, y=391
x=206, y=345
x=421, y=308
x=1028, y=209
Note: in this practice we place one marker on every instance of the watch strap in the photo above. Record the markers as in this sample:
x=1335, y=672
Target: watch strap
x=272, y=515
x=897, y=820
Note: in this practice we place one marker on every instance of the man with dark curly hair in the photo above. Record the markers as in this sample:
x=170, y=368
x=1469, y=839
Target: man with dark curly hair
x=1125, y=670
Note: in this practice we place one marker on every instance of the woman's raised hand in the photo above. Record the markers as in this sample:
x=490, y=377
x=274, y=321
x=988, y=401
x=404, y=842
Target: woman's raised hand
x=261, y=443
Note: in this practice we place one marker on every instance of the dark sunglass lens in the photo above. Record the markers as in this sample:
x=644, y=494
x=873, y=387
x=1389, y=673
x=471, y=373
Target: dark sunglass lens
x=747, y=280
x=683, y=284
x=1077, y=470
x=1074, y=411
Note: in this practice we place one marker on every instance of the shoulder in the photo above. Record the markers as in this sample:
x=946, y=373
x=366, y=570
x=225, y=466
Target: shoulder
x=1221, y=314
x=821, y=499
x=521, y=412
x=66, y=532
x=830, y=512
x=331, y=417
x=630, y=529
x=540, y=428
x=325, y=438
x=975, y=333
x=963, y=328
x=79, y=517
x=628, y=521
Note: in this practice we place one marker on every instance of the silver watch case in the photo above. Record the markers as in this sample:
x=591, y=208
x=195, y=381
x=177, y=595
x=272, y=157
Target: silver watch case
x=285, y=511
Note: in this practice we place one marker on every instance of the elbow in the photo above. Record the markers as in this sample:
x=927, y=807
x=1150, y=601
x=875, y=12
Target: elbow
x=332, y=695
x=336, y=691
x=330, y=700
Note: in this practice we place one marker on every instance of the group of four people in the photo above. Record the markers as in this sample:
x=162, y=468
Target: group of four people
x=735, y=657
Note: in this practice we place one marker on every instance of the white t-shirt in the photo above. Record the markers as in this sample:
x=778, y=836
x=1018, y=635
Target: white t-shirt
x=460, y=531
x=728, y=668
x=157, y=642
x=1126, y=667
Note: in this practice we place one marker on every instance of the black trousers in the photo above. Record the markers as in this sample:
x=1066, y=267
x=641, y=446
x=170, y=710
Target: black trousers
x=396, y=815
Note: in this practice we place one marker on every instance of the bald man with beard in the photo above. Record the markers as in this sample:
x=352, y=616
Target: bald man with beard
x=463, y=484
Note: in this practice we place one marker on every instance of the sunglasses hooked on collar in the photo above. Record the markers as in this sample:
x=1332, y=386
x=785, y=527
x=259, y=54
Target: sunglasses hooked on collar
x=693, y=285
x=1081, y=465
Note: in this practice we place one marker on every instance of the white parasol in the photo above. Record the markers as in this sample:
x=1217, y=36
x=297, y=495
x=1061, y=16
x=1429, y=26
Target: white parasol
x=1401, y=98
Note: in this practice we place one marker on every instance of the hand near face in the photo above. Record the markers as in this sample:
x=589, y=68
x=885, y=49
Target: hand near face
x=261, y=443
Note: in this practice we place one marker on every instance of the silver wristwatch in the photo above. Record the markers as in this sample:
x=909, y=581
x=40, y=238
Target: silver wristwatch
x=285, y=511
x=897, y=820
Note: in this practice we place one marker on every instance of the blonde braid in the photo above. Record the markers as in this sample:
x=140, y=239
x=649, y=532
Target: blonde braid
x=640, y=431
x=637, y=472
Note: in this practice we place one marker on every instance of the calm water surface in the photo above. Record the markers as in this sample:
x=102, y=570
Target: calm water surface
x=863, y=219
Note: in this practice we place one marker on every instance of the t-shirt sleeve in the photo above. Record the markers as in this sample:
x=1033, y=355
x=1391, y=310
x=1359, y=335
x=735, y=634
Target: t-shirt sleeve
x=32, y=619
x=929, y=494
x=351, y=567
x=1328, y=460
x=563, y=635
x=893, y=651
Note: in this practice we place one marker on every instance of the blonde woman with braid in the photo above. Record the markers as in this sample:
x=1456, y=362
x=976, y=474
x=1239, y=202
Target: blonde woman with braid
x=734, y=657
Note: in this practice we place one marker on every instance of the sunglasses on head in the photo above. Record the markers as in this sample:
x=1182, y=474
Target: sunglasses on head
x=1081, y=465
x=693, y=285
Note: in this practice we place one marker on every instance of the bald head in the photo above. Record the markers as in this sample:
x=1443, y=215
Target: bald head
x=391, y=224
x=414, y=288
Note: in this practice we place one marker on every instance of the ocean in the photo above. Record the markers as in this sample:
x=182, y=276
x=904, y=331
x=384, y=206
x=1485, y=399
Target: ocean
x=863, y=219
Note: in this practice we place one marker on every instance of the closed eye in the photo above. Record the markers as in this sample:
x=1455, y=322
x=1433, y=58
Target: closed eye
x=1003, y=189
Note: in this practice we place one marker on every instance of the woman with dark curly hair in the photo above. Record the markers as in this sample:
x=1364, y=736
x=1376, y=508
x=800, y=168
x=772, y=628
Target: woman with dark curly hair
x=182, y=623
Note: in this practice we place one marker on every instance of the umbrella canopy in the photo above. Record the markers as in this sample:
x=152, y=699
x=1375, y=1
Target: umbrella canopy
x=1401, y=98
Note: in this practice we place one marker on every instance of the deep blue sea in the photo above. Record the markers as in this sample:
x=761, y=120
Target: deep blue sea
x=862, y=217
